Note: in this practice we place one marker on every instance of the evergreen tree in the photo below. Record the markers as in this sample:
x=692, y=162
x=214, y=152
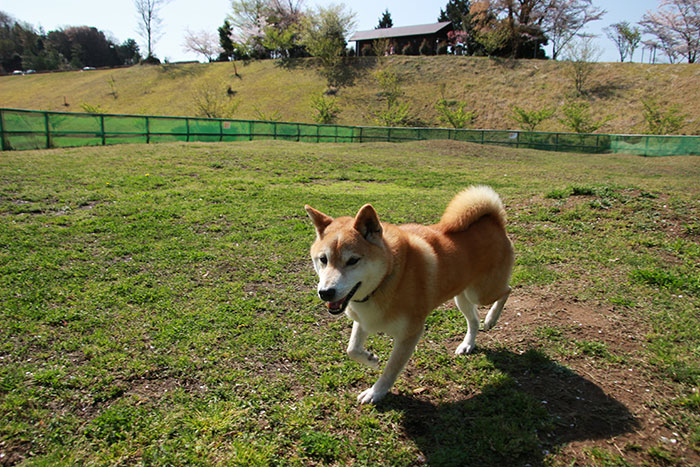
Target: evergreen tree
x=456, y=11
x=385, y=21
x=225, y=42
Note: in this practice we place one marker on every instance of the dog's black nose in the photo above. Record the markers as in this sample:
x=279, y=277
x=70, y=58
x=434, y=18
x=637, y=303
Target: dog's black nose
x=327, y=295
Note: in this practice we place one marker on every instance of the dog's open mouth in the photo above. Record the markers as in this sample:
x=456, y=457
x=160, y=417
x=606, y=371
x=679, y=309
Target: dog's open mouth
x=338, y=307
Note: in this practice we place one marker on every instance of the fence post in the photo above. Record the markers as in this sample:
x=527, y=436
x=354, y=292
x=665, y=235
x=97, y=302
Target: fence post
x=274, y=130
x=646, y=147
x=298, y=133
x=221, y=131
x=187, y=125
x=102, y=128
x=556, y=142
x=148, y=131
x=3, y=145
x=47, y=129
x=361, y=134
x=388, y=135
x=482, y=136
x=250, y=130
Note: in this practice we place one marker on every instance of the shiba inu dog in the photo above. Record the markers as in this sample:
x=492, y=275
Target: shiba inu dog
x=388, y=278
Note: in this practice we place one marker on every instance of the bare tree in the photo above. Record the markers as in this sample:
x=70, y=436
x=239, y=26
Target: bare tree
x=625, y=37
x=676, y=25
x=564, y=19
x=203, y=42
x=150, y=22
x=581, y=54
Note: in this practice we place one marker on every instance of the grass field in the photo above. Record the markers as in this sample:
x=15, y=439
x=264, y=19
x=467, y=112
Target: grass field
x=158, y=307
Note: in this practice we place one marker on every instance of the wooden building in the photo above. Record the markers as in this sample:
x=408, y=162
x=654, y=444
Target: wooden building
x=398, y=38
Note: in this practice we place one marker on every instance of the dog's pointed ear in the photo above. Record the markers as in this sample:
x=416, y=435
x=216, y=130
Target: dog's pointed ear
x=367, y=223
x=320, y=220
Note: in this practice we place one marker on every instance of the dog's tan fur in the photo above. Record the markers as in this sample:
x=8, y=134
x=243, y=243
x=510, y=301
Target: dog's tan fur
x=397, y=275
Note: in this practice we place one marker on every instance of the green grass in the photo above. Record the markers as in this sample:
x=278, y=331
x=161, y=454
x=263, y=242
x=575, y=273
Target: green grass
x=158, y=306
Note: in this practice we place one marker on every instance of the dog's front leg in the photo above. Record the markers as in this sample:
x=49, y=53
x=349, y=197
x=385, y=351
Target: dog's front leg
x=402, y=351
x=356, y=349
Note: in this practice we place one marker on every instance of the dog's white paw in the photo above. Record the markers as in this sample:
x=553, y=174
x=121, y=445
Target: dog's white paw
x=465, y=348
x=371, y=396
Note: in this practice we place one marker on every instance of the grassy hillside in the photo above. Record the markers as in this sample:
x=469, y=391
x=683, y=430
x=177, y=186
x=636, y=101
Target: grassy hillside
x=268, y=89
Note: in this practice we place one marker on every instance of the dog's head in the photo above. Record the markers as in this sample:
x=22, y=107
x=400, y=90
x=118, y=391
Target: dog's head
x=349, y=255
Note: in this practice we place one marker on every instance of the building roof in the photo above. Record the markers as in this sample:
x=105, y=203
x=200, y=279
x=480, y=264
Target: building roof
x=384, y=33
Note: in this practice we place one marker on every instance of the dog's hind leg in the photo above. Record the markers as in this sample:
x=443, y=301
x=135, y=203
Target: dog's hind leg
x=470, y=312
x=356, y=349
x=495, y=311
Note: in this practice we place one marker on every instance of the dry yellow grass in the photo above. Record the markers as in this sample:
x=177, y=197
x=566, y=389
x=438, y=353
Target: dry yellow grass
x=491, y=87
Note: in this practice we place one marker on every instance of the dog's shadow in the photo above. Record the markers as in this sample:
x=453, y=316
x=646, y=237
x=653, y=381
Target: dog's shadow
x=516, y=419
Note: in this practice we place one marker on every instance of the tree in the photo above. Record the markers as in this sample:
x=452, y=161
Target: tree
x=129, y=52
x=564, y=19
x=203, y=43
x=150, y=22
x=581, y=54
x=518, y=22
x=676, y=25
x=323, y=35
x=94, y=48
x=625, y=37
x=458, y=13
x=385, y=21
x=268, y=27
x=225, y=41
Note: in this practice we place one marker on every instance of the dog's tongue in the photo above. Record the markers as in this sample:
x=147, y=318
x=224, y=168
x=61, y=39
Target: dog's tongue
x=335, y=305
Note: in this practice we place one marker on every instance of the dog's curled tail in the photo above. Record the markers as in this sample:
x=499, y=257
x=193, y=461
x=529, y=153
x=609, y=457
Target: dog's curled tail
x=470, y=205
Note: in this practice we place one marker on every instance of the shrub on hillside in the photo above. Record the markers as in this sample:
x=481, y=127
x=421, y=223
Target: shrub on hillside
x=454, y=113
x=326, y=109
x=578, y=118
x=530, y=119
x=396, y=112
x=91, y=108
x=213, y=100
x=662, y=121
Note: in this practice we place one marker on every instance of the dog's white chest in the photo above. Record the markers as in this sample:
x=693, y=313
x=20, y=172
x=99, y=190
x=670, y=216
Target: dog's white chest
x=372, y=319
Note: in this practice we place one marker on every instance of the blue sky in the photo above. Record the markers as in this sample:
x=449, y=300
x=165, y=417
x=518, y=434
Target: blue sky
x=118, y=17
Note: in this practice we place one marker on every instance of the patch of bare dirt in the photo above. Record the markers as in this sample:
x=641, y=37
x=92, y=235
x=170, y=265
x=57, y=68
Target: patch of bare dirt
x=595, y=381
x=614, y=389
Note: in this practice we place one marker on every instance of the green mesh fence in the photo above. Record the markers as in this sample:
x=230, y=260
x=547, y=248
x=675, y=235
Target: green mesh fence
x=30, y=129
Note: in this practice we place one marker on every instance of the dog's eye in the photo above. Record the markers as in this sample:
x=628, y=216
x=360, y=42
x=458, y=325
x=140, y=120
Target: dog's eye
x=323, y=259
x=352, y=261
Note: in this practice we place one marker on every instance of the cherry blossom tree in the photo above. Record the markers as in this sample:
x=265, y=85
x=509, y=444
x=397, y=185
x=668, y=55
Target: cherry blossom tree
x=676, y=26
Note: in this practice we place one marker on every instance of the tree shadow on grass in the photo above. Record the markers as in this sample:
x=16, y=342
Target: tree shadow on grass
x=533, y=406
